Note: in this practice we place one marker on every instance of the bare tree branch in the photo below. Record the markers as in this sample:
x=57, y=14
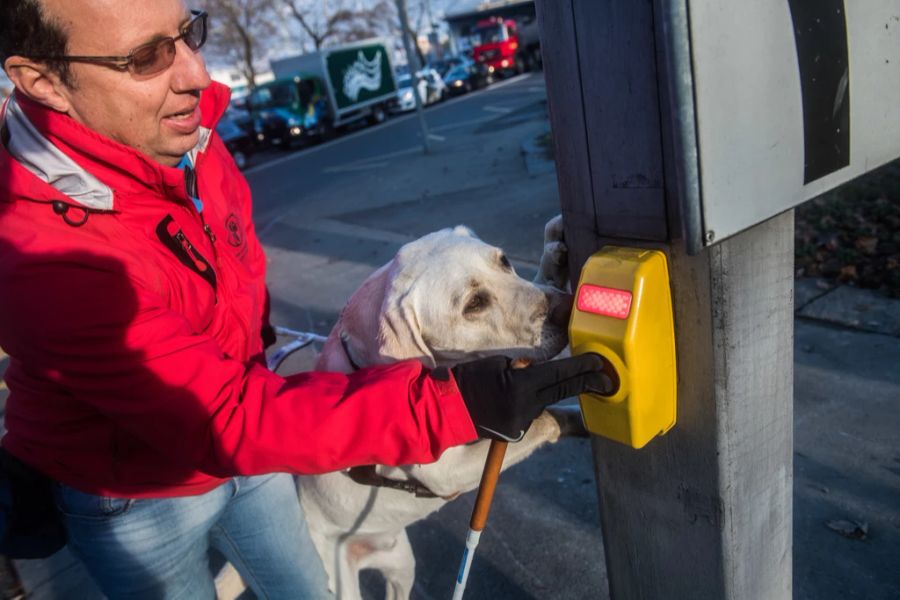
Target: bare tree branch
x=334, y=22
x=241, y=29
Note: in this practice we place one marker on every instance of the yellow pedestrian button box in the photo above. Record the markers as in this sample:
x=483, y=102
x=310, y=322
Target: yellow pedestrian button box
x=623, y=311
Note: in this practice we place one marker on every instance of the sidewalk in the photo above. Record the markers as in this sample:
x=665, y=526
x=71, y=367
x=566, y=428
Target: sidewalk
x=544, y=539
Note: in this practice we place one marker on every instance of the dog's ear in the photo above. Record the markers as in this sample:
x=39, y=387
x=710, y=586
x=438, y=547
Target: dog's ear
x=399, y=330
x=464, y=231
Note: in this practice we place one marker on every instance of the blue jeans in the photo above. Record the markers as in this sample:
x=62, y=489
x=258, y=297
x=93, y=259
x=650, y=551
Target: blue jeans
x=158, y=548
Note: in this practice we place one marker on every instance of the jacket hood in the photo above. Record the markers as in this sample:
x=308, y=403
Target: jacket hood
x=85, y=167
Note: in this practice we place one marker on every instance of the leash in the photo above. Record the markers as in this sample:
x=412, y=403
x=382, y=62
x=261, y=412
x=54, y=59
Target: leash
x=366, y=474
x=301, y=340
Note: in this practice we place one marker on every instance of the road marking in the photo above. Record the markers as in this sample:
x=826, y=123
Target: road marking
x=439, y=138
x=394, y=154
x=497, y=109
x=351, y=168
x=382, y=235
x=451, y=126
x=357, y=231
x=366, y=163
x=509, y=81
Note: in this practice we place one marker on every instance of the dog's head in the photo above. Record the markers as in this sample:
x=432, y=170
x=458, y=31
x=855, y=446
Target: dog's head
x=450, y=297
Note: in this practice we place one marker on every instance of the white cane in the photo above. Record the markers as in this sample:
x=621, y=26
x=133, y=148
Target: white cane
x=492, y=465
x=486, y=488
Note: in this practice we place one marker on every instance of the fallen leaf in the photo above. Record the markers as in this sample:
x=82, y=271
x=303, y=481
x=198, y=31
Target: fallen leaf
x=854, y=530
x=867, y=244
x=848, y=273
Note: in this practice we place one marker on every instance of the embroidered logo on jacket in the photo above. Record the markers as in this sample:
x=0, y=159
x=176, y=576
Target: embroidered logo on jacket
x=235, y=231
x=184, y=251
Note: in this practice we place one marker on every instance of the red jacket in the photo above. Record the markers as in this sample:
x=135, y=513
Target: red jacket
x=134, y=338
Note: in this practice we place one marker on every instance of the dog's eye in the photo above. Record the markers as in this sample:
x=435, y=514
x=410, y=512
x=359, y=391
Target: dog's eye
x=476, y=303
x=505, y=262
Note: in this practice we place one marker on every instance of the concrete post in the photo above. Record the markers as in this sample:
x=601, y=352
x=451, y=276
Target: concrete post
x=705, y=511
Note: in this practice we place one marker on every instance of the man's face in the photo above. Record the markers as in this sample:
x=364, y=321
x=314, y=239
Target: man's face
x=159, y=114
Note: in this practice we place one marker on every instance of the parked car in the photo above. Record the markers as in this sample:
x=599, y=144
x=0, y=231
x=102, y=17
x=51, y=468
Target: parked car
x=435, y=86
x=405, y=101
x=431, y=89
x=443, y=67
x=464, y=77
x=236, y=130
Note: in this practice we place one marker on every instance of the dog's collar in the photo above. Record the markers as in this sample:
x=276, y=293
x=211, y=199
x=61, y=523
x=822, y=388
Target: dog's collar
x=346, y=346
x=366, y=475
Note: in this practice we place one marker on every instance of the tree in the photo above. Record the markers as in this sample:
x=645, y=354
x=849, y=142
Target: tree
x=337, y=21
x=241, y=29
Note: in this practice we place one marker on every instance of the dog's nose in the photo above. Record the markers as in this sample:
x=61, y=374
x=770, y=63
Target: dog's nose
x=560, y=308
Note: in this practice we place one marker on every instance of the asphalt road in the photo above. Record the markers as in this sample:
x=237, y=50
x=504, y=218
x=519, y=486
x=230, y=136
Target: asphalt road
x=282, y=181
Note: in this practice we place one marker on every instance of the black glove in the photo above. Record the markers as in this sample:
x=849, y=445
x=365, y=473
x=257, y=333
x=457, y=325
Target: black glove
x=503, y=401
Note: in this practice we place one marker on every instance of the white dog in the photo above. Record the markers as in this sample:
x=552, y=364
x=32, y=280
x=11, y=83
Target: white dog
x=445, y=298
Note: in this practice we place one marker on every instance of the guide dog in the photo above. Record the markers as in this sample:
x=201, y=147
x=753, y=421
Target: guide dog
x=445, y=298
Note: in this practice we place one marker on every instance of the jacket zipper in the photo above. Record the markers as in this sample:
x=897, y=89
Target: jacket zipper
x=215, y=254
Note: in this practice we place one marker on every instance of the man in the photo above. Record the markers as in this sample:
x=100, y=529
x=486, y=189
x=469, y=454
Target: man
x=134, y=309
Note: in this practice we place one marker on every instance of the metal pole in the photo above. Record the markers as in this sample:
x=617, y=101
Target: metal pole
x=413, y=60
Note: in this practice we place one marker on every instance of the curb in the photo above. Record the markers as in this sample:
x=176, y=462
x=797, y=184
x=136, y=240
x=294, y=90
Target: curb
x=855, y=308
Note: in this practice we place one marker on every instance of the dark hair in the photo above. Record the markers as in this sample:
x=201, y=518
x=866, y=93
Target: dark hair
x=26, y=31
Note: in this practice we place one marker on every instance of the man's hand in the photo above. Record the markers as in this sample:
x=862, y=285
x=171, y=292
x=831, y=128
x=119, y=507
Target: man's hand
x=503, y=400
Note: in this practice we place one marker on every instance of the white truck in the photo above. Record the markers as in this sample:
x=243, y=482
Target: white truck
x=314, y=94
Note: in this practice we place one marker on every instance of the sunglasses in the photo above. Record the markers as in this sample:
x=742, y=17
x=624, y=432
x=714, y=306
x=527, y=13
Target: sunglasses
x=152, y=57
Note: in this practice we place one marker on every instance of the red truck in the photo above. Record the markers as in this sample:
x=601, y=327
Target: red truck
x=503, y=46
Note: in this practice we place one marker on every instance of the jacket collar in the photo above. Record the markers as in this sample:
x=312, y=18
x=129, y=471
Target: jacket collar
x=88, y=168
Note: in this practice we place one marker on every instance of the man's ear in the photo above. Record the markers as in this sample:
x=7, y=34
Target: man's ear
x=37, y=81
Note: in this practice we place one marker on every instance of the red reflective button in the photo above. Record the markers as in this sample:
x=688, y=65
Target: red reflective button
x=604, y=301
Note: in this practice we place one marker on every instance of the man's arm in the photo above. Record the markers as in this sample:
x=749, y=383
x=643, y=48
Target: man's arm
x=114, y=348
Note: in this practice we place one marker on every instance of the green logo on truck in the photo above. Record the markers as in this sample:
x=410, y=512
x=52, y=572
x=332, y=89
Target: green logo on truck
x=358, y=74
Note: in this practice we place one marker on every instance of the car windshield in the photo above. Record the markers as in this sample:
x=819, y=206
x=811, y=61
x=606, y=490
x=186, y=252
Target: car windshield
x=272, y=96
x=404, y=81
x=490, y=34
x=457, y=73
